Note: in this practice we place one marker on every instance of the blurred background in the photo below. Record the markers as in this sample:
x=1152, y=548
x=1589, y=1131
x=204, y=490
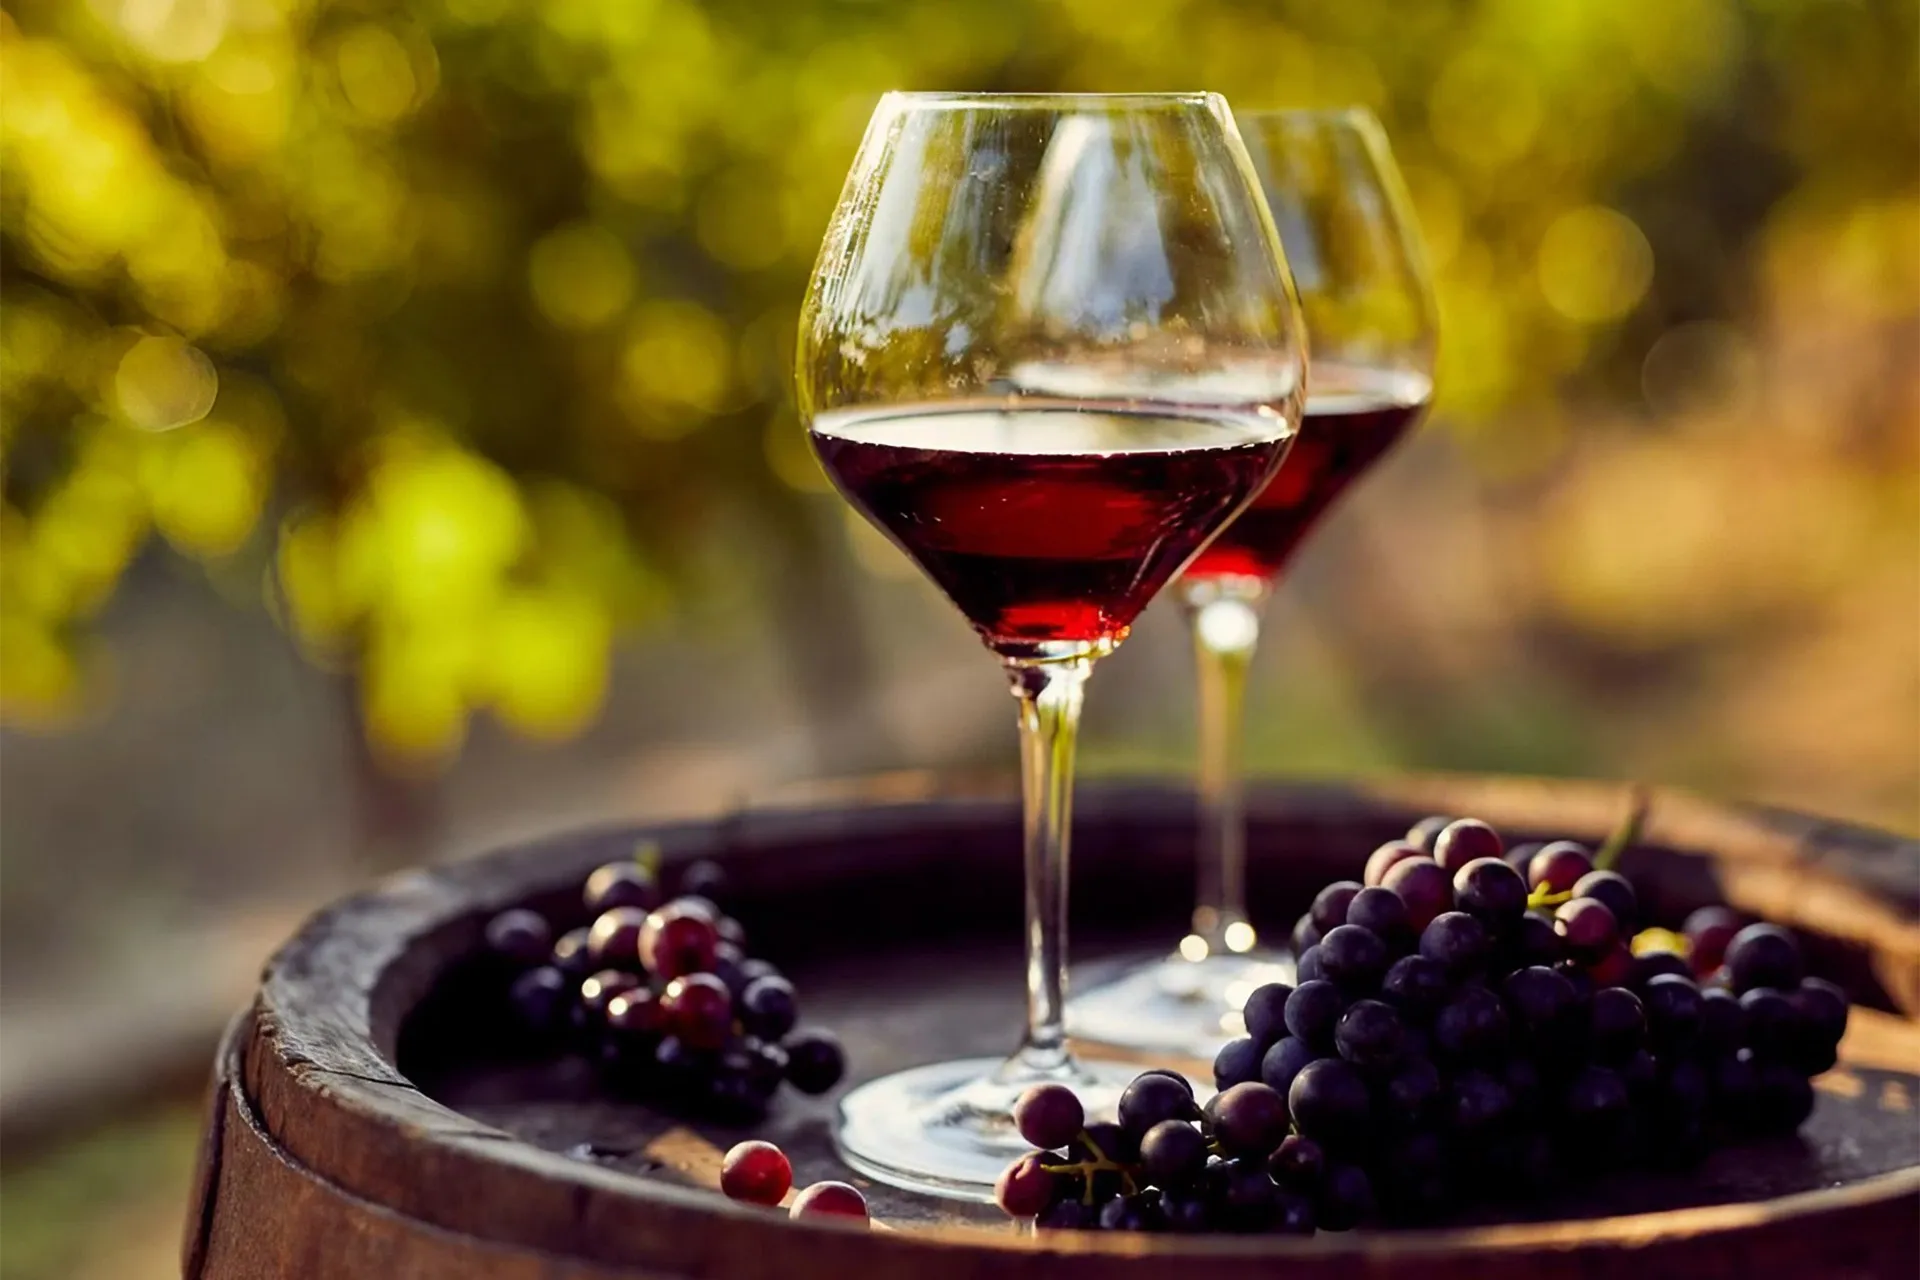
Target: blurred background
x=398, y=457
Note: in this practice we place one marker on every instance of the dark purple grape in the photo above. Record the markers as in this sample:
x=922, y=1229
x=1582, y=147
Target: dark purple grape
x=1247, y=1197
x=1237, y=1063
x=769, y=1008
x=1329, y=1103
x=1823, y=1007
x=680, y=1070
x=1312, y=1010
x=1492, y=892
x=1330, y=905
x=1773, y=1024
x=1283, y=1062
x=1424, y=886
x=1068, y=1215
x=1784, y=1098
x=1298, y=1164
x=520, y=937
x=1587, y=928
x=1250, y=1120
x=1614, y=890
x=753, y=968
x=1353, y=959
x=1534, y=942
x=540, y=998
x=1305, y=934
x=1049, y=1115
x=1466, y=841
x=1556, y=867
x=1370, y=1035
x=1423, y=833
x=1025, y=1188
x=815, y=1061
x=704, y=878
x=1595, y=1098
x=1380, y=912
x=1456, y=941
x=1641, y=1074
x=613, y=940
x=1384, y=859
x=1139, y=1212
x=1521, y=856
x=1709, y=930
x=1736, y=1092
x=1655, y=964
x=1764, y=955
x=731, y=930
x=1186, y=1214
x=1150, y=1099
x=1410, y=1097
x=1416, y=986
x=1172, y=1154
x=1538, y=1001
x=598, y=990
x=1616, y=1024
x=620, y=884
x=1471, y=1028
x=1723, y=1023
x=1266, y=1012
x=1525, y=1086
x=1684, y=1090
x=1477, y=1104
x=1293, y=1215
x=1306, y=966
x=1346, y=1198
x=1672, y=1002
x=571, y=955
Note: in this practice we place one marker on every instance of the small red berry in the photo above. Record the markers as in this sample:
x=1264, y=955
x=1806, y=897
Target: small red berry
x=829, y=1200
x=676, y=941
x=698, y=1009
x=757, y=1173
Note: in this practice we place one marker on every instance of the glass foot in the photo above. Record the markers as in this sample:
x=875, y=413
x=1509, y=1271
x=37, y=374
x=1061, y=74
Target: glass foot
x=1169, y=1004
x=947, y=1129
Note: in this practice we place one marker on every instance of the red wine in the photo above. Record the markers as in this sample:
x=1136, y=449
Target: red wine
x=1353, y=417
x=1055, y=523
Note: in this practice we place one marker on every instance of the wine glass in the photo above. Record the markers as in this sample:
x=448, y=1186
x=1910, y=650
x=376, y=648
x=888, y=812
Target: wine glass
x=1350, y=237
x=1050, y=348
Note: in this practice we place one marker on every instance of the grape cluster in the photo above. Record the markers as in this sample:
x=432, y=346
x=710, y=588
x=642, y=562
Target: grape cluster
x=1469, y=1022
x=662, y=993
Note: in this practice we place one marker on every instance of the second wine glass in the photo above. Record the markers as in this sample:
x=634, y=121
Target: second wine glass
x=1350, y=237
x=1049, y=349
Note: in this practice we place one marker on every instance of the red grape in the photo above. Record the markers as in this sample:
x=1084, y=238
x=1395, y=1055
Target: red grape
x=1559, y=866
x=1461, y=842
x=614, y=940
x=1423, y=833
x=699, y=1010
x=756, y=1172
x=1385, y=858
x=676, y=941
x=1025, y=1188
x=1589, y=929
x=829, y=1200
x=1049, y=1115
x=1424, y=886
x=1708, y=931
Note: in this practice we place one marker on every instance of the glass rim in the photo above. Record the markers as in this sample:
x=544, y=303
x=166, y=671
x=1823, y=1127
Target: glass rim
x=1355, y=113
x=968, y=100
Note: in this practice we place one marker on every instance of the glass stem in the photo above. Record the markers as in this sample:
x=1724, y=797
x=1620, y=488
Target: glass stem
x=1226, y=628
x=1050, y=695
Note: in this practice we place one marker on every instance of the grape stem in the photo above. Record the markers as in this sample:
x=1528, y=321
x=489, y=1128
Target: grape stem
x=1627, y=832
x=1100, y=1163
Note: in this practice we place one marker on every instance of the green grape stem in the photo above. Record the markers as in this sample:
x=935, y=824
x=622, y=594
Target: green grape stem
x=1100, y=1163
x=1627, y=832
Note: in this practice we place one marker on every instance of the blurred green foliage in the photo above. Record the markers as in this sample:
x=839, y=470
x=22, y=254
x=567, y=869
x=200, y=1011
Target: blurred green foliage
x=451, y=319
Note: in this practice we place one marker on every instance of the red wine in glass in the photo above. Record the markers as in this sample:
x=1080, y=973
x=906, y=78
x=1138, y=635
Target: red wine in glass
x=1053, y=522
x=1353, y=417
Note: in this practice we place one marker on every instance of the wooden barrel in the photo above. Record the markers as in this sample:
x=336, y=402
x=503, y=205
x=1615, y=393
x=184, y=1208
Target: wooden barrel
x=361, y=1125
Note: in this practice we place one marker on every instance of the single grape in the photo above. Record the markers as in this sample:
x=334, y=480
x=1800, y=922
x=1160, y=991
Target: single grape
x=1823, y=1007
x=1237, y=1063
x=613, y=940
x=1329, y=1103
x=1312, y=1010
x=1293, y=1215
x=1306, y=965
x=1709, y=930
x=1736, y=1092
x=762, y=1062
x=1538, y=1001
x=699, y=1009
x=1266, y=1012
x=731, y=930
x=815, y=1061
x=676, y=941
x=1305, y=934
x=1068, y=1215
x=1330, y=905
x=1654, y=964
x=1139, y=1212
x=1424, y=832
x=620, y=884
x=1024, y=1188
x=1424, y=886
x=1187, y=1214
x=1247, y=1197
x=1353, y=959
x=1298, y=1164
x=598, y=990
x=1594, y=1099
x=571, y=955
x=1049, y=1115
x=1616, y=1024
x=1536, y=942
x=635, y=1014
x=1370, y=1035
x=1764, y=955
x=1385, y=858
x=1346, y=1197
x=520, y=937
x=1521, y=856
x=704, y=878
x=829, y=1200
x=769, y=1008
x=1587, y=928
x=1684, y=1090
x=1465, y=841
x=1456, y=941
x=1784, y=1098
x=1672, y=1002
x=1380, y=912
x=539, y=998
x=1723, y=1022
x=1172, y=1154
x=1283, y=1061
x=1150, y=1099
x=1616, y=892
x=1472, y=1027
x=1410, y=1097
x=1416, y=986
x=1773, y=1024
x=1614, y=969
x=1492, y=892
x=1555, y=868
x=753, y=968
x=1250, y=1120
x=1479, y=1103
x=757, y=1173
